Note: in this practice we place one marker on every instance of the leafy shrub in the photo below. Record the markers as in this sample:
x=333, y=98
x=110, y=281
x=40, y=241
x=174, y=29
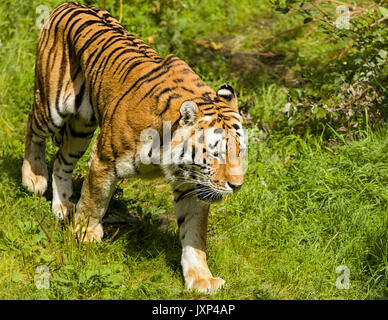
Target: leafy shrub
x=349, y=92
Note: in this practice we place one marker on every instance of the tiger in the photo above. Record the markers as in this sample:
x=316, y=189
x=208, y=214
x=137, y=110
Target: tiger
x=90, y=73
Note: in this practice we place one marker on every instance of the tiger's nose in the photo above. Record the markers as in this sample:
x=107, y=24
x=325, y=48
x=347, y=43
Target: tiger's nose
x=234, y=187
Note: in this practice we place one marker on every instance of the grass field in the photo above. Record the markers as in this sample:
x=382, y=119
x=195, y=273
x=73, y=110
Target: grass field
x=307, y=208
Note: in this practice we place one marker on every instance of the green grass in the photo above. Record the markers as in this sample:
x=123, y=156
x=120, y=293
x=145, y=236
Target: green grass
x=307, y=206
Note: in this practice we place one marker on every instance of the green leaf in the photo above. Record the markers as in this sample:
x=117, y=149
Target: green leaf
x=17, y=277
x=307, y=20
x=383, y=54
x=115, y=279
x=63, y=280
x=384, y=11
x=282, y=10
x=321, y=113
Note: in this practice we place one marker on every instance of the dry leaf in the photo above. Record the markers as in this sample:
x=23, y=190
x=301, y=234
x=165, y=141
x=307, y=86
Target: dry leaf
x=214, y=46
x=209, y=44
x=151, y=39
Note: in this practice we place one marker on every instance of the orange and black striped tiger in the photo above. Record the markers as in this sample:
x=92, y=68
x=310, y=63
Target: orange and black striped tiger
x=91, y=72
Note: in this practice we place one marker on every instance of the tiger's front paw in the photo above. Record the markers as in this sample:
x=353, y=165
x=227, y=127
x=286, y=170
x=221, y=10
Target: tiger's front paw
x=34, y=177
x=89, y=234
x=62, y=209
x=206, y=285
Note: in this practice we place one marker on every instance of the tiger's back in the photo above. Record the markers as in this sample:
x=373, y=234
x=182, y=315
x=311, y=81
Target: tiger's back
x=85, y=57
x=91, y=72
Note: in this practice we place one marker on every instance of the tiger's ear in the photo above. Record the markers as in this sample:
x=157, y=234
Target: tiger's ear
x=188, y=112
x=228, y=94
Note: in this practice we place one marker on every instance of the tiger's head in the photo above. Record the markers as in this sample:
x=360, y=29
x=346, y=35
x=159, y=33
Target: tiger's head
x=207, y=147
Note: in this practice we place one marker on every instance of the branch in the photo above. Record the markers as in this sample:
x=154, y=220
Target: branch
x=378, y=21
x=283, y=32
x=121, y=11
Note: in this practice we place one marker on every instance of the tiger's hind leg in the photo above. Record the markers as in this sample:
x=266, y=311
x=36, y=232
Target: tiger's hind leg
x=75, y=141
x=34, y=169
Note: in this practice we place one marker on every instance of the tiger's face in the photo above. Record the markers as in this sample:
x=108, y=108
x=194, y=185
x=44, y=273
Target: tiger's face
x=208, y=147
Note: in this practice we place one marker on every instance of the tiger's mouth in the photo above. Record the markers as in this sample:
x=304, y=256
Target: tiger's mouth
x=209, y=194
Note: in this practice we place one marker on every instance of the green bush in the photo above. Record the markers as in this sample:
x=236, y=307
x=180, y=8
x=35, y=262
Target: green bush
x=348, y=92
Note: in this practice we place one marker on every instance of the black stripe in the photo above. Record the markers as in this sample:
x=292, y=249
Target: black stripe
x=79, y=97
x=75, y=134
x=55, y=41
x=123, y=64
x=186, y=71
x=58, y=13
x=84, y=25
x=199, y=104
x=200, y=84
x=229, y=111
x=63, y=160
x=223, y=106
x=103, y=50
x=123, y=51
x=91, y=40
x=180, y=221
x=53, y=18
x=188, y=90
x=234, y=117
x=173, y=96
x=94, y=75
x=165, y=90
x=144, y=46
x=78, y=36
x=87, y=62
x=58, y=176
x=97, y=95
x=130, y=68
x=146, y=77
x=183, y=194
x=75, y=156
x=152, y=89
x=36, y=134
x=35, y=121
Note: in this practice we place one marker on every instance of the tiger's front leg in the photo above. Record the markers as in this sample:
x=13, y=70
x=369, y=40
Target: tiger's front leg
x=97, y=189
x=192, y=217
